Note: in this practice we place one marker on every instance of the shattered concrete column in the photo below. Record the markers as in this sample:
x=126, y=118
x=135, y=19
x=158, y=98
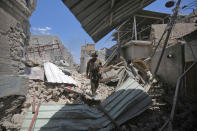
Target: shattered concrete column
x=14, y=34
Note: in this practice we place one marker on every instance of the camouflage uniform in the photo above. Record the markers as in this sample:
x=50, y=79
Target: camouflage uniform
x=93, y=72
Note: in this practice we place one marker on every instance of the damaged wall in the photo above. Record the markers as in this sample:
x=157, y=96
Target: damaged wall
x=14, y=34
x=179, y=30
x=170, y=68
x=188, y=54
x=103, y=54
x=58, y=56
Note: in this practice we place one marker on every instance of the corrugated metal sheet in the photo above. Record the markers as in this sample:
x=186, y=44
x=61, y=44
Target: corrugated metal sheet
x=128, y=101
x=55, y=75
x=99, y=17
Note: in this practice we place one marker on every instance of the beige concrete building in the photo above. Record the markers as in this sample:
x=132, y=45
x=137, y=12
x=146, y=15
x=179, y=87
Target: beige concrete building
x=85, y=56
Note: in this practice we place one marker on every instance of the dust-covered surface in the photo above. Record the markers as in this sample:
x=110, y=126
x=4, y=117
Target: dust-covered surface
x=13, y=114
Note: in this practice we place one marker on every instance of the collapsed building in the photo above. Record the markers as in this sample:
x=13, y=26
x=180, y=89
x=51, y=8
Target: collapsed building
x=57, y=97
x=48, y=48
x=139, y=39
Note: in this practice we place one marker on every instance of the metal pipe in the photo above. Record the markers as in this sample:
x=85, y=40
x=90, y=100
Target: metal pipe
x=34, y=103
x=135, y=27
x=177, y=90
x=169, y=121
x=34, y=117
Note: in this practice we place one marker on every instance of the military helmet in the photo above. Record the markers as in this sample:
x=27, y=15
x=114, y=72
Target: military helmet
x=94, y=54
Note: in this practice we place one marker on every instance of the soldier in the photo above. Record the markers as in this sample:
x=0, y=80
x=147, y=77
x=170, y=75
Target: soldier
x=93, y=71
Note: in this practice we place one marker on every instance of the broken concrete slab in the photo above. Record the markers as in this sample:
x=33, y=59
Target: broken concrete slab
x=13, y=85
x=35, y=73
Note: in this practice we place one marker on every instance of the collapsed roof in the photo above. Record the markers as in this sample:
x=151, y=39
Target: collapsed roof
x=99, y=17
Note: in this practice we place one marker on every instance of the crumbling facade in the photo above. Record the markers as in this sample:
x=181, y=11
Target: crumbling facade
x=14, y=37
x=43, y=48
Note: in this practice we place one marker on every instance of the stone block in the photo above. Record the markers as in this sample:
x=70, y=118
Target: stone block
x=13, y=85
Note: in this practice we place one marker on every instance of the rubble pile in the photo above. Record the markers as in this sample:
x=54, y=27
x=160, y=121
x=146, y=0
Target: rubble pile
x=57, y=93
x=11, y=114
x=155, y=117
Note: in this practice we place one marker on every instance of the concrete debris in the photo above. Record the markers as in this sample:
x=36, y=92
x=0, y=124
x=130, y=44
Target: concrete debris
x=11, y=119
x=123, y=98
x=48, y=93
x=35, y=73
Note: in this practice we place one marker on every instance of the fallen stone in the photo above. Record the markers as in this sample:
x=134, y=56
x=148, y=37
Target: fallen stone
x=17, y=119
